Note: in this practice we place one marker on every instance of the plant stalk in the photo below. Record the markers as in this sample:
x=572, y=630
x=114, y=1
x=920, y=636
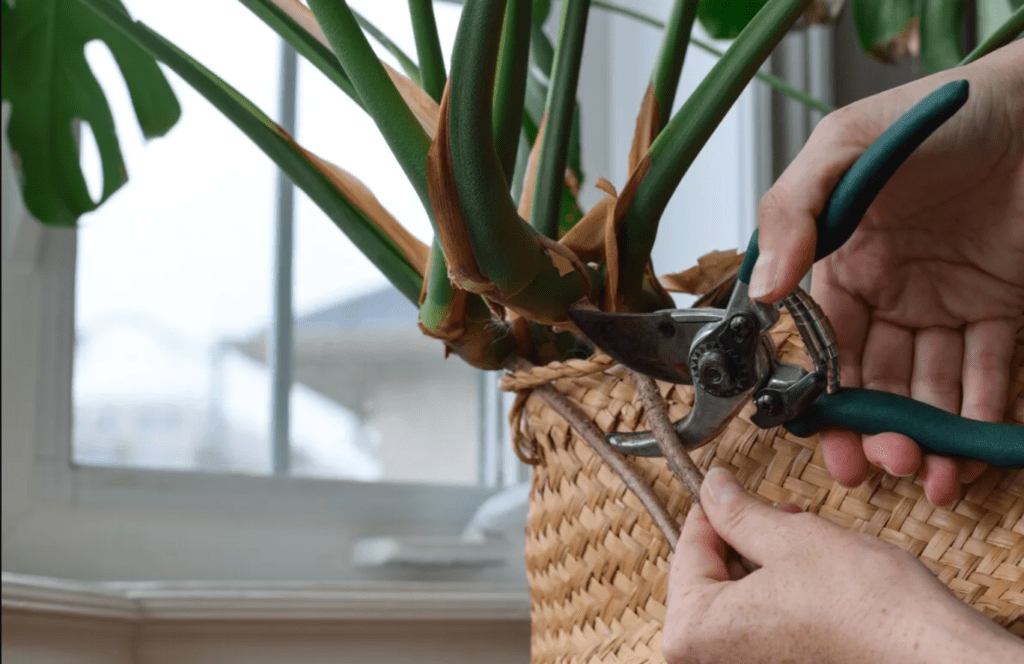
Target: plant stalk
x=589, y=431
x=669, y=65
x=689, y=129
x=559, y=112
x=385, y=105
x=510, y=86
x=428, y=48
x=1006, y=33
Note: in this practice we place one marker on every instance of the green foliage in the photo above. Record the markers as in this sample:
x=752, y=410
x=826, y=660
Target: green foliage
x=50, y=85
x=940, y=22
x=725, y=20
x=877, y=21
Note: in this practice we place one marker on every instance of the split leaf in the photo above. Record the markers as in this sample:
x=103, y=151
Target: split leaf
x=50, y=85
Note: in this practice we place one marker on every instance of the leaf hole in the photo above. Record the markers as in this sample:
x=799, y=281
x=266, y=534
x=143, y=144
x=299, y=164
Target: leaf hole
x=89, y=160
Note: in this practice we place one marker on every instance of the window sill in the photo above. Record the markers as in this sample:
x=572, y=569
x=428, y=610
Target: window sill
x=157, y=601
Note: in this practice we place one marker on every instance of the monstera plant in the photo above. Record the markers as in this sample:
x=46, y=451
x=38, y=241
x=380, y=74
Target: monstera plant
x=492, y=151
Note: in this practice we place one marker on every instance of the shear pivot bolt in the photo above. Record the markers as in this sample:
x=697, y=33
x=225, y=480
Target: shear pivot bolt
x=741, y=327
x=714, y=370
x=769, y=403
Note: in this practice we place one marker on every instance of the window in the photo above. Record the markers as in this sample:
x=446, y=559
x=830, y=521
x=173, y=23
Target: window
x=118, y=513
x=175, y=302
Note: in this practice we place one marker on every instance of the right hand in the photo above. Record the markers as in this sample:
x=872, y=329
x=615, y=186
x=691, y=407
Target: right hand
x=926, y=297
x=822, y=593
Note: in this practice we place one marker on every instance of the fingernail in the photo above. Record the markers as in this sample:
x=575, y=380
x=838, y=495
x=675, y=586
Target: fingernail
x=891, y=472
x=762, y=278
x=722, y=486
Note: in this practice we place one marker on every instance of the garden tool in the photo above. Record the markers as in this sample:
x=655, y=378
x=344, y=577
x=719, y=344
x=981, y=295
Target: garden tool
x=728, y=355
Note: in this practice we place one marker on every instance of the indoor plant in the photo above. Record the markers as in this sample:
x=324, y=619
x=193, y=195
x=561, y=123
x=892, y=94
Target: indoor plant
x=494, y=308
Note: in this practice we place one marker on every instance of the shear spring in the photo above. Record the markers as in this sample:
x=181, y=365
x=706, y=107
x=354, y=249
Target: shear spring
x=818, y=335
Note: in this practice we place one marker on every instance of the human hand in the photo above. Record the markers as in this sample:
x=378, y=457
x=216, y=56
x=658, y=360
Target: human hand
x=927, y=295
x=822, y=594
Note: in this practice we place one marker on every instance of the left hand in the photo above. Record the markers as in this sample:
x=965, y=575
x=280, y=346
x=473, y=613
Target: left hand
x=822, y=594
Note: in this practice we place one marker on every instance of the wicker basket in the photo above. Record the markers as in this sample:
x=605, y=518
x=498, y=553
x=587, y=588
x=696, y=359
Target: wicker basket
x=597, y=564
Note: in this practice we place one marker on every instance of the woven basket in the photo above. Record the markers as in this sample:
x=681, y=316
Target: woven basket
x=597, y=564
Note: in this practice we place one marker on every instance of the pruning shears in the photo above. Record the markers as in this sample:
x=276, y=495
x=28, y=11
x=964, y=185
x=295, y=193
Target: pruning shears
x=728, y=356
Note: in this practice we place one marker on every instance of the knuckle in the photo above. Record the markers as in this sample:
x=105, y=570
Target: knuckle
x=737, y=517
x=770, y=206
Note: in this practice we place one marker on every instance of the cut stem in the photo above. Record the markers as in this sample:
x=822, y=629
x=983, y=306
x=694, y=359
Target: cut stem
x=589, y=431
x=679, y=462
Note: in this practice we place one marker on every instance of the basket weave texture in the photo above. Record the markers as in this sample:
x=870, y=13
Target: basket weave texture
x=597, y=564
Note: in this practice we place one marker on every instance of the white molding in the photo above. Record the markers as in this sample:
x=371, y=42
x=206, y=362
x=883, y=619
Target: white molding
x=157, y=601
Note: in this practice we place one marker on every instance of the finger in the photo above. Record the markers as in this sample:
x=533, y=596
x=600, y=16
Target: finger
x=699, y=558
x=987, y=354
x=789, y=507
x=970, y=470
x=938, y=476
x=843, y=455
x=888, y=366
x=788, y=212
x=841, y=449
x=938, y=363
x=897, y=454
x=988, y=349
x=888, y=358
x=757, y=531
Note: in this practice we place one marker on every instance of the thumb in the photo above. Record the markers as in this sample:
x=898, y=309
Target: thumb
x=788, y=212
x=753, y=528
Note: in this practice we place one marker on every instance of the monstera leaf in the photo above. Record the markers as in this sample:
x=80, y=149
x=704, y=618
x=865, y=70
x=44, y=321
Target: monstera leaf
x=49, y=84
x=725, y=20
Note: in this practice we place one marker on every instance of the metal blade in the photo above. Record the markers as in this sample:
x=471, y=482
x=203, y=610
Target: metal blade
x=656, y=344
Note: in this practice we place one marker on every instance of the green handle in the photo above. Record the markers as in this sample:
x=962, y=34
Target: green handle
x=860, y=185
x=936, y=431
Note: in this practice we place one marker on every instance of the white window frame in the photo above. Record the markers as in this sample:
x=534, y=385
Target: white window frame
x=64, y=520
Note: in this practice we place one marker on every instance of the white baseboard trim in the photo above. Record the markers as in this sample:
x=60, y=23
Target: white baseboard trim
x=157, y=601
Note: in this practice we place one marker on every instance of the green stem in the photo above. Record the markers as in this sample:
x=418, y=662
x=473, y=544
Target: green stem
x=510, y=87
x=428, y=47
x=1003, y=35
x=519, y=271
x=773, y=81
x=559, y=111
x=407, y=64
x=689, y=129
x=404, y=135
x=768, y=79
x=669, y=66
x=304, y=44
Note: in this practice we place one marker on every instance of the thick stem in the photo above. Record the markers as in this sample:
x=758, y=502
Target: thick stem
x=589, y=431
x=679, y=462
